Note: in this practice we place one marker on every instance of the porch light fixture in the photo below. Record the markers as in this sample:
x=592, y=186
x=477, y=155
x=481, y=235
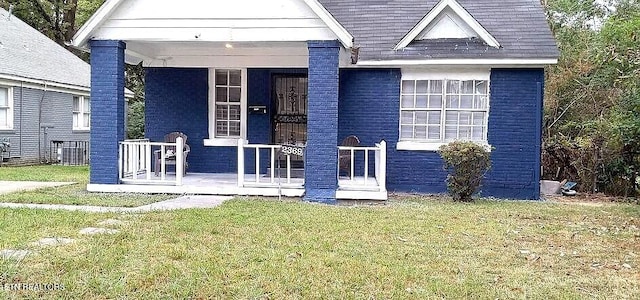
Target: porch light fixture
x=228, y=46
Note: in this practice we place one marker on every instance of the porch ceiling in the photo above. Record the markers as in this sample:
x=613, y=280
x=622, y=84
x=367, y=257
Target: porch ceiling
x=218, y=54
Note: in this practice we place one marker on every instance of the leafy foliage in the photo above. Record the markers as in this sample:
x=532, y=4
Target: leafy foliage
x=467, y=162
x=591, y=127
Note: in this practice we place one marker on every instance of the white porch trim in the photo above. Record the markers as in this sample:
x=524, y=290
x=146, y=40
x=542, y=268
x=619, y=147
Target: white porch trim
x=83, y=35
x=435, y=12
x=524, y=62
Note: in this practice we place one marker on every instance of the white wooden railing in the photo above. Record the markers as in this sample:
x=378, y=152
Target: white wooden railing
x=273, y=178
x=356, y=181
x=136, y=158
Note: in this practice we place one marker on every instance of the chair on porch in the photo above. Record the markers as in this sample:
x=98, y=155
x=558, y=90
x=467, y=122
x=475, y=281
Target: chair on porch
x=344, y=156
x=170, y=157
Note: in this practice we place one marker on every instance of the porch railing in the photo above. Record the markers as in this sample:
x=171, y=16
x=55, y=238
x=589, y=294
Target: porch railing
x=358, y=171
x=136, y=159
x=271, y=178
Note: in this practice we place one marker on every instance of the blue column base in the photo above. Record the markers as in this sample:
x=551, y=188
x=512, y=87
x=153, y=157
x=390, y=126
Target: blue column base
x=326, y=196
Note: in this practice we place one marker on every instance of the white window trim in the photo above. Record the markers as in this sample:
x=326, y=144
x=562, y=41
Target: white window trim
x=430, y=74
x=10, y=110
x=82, y=113
x=226, y=141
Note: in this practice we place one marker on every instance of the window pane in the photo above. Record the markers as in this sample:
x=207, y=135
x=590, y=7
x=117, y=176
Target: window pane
x=421, y=101
x=464, y=118
x=87, y=120
x=421, y=132
x=453, y=87
x=452, y=102
x=406, y=132
x=406, y=118
x=234, y=78
x=221, y=77
x=222, y=112
x=464, y=132
x=481, y=87
x=4, y=97
x=234, y=94
x=407, y=101
x=451, y=118
x=234, y=112
x=434, y=118
x=466, y=101
x=422, y=86
x=478, y=118
x=234, y=128
x=3, y=117
x=450, y=132
x=421, y=117
x=435, y=101
x=481, y=102
x=408, y=86
x=222, y=128
x=221, y=94
x=435, y=86
x=87, y=105
x=76, y=103
x=467, y=87
x=76, y=120
x=433, y=132
x=478, y=134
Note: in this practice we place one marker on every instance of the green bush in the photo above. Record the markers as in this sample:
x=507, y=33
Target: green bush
x=466, y=162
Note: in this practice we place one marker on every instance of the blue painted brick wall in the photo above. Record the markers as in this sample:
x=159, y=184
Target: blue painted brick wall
x=321, y=159
x=369, y=106
x=107, y=109
x=514, y=132
x=177, y=100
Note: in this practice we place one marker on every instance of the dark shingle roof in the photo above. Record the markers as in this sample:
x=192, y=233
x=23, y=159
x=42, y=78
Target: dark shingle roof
x=26, y=52
x=520, y=27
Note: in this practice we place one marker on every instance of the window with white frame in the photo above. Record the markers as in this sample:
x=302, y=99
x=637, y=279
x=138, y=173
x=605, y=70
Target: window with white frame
x=438, y=111
x=81, y=113
x=227, y=106
x=6, y=108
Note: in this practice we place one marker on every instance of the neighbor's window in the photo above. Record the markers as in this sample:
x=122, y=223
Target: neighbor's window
x=6, y=108
x=228, y=109
x=81, y=112
x=440, y=111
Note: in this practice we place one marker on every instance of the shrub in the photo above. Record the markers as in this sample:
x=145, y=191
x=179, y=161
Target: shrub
x=466, y=162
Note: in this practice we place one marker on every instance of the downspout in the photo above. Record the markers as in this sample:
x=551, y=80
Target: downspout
x=21, y=110
x=44, y=92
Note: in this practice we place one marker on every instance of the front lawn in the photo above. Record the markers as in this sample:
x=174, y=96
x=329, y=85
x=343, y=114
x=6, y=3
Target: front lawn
x=256, y=248
x=75, y=194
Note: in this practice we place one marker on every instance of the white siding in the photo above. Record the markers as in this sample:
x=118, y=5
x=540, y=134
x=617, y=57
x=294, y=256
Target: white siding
x=216, y=21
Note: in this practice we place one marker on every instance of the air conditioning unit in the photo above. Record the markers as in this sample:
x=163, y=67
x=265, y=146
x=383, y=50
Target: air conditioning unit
x=72, y=156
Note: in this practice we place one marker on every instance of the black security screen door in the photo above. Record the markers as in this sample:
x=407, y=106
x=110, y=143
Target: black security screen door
x=290, y=113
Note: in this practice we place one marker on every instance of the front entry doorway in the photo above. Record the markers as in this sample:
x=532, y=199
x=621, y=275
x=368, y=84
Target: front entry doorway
x=289, y=119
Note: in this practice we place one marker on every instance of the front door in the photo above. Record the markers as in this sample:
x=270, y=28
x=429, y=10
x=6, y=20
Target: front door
x=289, y=120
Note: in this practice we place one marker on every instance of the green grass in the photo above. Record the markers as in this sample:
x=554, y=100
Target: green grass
x=420, y=248
x=75, y=194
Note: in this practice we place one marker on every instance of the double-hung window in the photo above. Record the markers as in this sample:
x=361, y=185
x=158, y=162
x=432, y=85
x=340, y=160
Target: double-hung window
x=435, y=111
x=226, y=107
x=81, y=113
x=6, y=108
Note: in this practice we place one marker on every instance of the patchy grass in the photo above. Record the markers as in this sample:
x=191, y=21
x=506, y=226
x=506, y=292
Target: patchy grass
x=75, y=194
x=78, y=174
x=252, y=248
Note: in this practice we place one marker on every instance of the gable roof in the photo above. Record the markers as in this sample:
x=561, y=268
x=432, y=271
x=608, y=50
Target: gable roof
x=27, y=53
x=438, y=10
x=519, y=26
x=85, y=33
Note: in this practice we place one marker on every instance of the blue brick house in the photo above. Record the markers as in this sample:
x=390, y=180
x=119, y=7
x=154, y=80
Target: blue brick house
x=326, y=99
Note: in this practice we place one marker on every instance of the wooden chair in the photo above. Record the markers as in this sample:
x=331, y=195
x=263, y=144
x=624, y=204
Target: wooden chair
x=170, y=157
x=344, y=156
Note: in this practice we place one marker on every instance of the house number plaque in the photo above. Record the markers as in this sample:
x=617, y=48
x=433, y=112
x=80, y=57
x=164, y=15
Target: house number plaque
x=292, y=150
